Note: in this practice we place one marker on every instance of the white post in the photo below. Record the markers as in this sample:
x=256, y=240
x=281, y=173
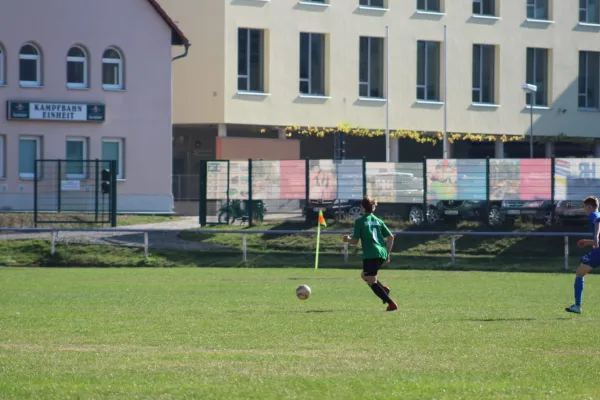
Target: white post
x=387, y=93
x=222, y=130
x=53, y=243
x=446, y=149
x=346, y=253
x=566, y=253
x=244, y=248
x=453, y=241
x=499, y=148
x=549, y=148
x=146, y=245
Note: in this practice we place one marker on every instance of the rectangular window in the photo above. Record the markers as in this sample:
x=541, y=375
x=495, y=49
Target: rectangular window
x=371, y=68
x=112, y=149
x=484, y=7
x=429, y=5
x=312, y=64
x=2, y=157
x=538, y=9
x=2, y=79
x=76, y=155
x=29, y=151
x=589, y=12
x=428, y=71
x=589, y=79
x=537, y=74
x=372, y=3
x=484, y=77
x=251, y=60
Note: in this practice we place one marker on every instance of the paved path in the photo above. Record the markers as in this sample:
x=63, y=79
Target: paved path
x=156, y=240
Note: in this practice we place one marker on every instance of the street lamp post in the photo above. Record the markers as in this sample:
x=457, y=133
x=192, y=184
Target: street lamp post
x=531, y=90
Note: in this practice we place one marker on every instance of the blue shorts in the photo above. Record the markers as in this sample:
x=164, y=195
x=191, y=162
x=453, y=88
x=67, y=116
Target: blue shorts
x=592, y=258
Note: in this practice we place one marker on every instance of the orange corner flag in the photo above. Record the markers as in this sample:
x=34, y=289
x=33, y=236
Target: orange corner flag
x=322, y=219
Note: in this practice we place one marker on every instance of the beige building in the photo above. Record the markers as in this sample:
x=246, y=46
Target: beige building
x=276, y=63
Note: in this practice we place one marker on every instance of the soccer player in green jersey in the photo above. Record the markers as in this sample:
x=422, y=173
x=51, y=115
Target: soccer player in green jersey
x=377, y=242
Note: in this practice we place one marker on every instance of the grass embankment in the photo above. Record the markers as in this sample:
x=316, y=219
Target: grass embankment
x=534, y=254
x=68, y=220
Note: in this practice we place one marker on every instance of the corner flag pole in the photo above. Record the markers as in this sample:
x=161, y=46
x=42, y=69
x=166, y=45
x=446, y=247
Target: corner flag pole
x=321, y=221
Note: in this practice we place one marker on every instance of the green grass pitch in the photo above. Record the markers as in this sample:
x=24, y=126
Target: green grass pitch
x=241, y=334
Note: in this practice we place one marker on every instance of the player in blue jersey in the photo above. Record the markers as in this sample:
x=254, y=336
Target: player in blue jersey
x=592, y=259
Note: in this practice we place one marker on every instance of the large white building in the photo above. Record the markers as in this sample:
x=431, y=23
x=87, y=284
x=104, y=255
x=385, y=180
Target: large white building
x=321, y=62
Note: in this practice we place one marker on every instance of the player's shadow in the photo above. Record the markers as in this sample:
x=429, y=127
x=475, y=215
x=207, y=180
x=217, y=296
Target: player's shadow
x=511, y=319
x=499, y=319
x=318, y=311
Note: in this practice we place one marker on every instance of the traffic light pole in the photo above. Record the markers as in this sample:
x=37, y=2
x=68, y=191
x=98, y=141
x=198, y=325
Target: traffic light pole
x=113, y=193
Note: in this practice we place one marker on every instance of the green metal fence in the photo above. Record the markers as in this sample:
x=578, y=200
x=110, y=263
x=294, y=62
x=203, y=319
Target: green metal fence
x=75, y=191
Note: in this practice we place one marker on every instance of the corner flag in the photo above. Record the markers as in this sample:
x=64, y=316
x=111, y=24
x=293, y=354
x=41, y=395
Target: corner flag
x=320, y=221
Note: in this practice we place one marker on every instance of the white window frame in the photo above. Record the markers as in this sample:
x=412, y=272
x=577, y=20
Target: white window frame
x=2, y=67
x=425, y=72
x=369, y=66
x=586, y=77
x=589, y=4
x=121, y=160
x=481, y=4
x=38, y=155
x=309, y=79
x=2, y=156
x=370, y=5
x=119, y=62
x=84, y=60
x=533, y=95
x=85, y=157
x=535, y=7
x=479, y=88
x=38, y=59
x=248, y=75
x=429, y=9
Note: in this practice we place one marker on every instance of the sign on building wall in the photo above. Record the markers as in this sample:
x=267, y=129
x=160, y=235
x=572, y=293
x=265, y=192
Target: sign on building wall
x=72, y=112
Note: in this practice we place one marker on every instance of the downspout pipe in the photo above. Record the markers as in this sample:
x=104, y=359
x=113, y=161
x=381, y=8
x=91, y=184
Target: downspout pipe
x=185, y=53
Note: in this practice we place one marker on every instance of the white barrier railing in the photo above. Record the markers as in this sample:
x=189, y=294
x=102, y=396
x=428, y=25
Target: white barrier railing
x=453, y=234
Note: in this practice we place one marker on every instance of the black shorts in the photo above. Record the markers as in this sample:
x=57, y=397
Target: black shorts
x=371, y=266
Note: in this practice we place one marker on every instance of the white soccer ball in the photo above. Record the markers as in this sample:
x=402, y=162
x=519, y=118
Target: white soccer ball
x=303, y=292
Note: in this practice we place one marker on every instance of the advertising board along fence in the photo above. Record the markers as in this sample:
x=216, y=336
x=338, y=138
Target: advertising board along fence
x=516, y=185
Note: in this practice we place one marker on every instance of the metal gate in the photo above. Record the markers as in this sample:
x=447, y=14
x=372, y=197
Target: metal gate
x=75, y=191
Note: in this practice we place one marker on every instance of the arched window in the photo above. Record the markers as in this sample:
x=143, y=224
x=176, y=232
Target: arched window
x=77, y=68
x=30, y=66
x=2, y=68
x=112, y=70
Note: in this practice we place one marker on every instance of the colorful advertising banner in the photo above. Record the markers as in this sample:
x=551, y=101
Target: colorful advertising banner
x=520, y=179
x=293, y=179
x=238, y=180
x=456, y=180
x=336, y=179
x=349, y=179
x=395, y=182
x=216, y=186
x=275, y=180
x=576, y=178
